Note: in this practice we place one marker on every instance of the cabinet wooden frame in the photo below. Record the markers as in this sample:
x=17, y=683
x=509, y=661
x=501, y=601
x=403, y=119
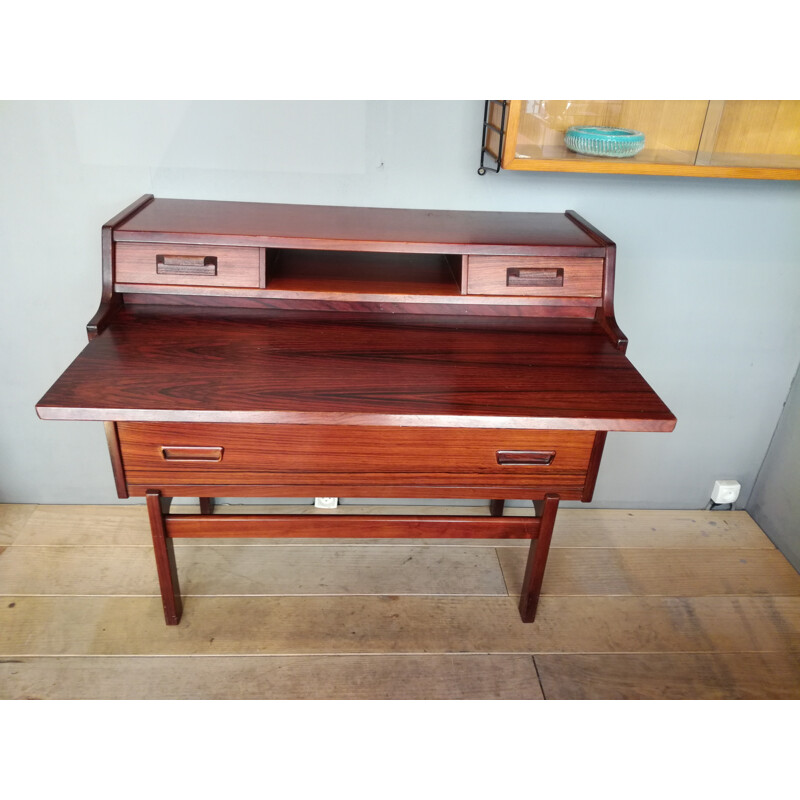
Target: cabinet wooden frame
x=359, y=366
x=700, y=162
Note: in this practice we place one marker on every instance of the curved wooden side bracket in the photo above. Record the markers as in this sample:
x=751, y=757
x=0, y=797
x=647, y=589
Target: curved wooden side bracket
x=111, y=301
x=605, y=314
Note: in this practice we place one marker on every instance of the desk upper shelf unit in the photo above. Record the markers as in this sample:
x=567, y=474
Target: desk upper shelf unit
x=239, y=312
x=330, y=258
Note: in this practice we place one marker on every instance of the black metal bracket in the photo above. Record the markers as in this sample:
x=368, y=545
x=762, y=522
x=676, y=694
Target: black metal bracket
x=501, y=134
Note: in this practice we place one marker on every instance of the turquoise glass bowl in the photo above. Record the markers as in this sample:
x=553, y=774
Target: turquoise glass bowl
x=609, y=142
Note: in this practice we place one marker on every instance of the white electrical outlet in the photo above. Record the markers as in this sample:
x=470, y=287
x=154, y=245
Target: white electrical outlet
x=326, y=502
x=725, y=491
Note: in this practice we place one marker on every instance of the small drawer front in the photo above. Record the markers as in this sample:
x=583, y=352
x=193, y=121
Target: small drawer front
x=248, y=454
x=187, y=265
x=535, y=276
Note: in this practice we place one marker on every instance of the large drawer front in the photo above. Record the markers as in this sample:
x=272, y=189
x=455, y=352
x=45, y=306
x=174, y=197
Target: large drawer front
x=187, y=265
x=244, y=454
x=535, y=276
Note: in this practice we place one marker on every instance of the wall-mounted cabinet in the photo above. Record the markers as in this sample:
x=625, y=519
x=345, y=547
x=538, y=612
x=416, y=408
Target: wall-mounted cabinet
x=701, y=138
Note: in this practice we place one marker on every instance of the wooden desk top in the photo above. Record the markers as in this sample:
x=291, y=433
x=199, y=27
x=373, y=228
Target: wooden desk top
x=243, y=365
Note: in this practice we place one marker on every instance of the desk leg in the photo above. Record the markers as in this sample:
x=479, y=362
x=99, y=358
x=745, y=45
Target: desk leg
x=537, y=559
x=496, y=507
x=206, y=505
x=165, y=558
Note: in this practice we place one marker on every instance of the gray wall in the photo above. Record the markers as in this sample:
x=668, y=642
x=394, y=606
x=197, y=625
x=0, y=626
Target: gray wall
x=775, y=500
x=708, y=284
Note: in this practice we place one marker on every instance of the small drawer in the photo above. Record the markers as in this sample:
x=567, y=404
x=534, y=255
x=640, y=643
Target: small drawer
x=535, y=276
x=187, y=265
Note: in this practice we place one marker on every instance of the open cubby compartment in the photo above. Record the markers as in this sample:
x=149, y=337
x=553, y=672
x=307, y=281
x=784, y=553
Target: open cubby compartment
x=299, y=273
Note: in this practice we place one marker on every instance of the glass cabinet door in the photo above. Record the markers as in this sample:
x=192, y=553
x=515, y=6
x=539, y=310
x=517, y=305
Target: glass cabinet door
x=722, y=138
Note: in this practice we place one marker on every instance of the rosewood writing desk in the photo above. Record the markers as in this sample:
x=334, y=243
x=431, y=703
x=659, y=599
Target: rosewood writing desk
x=255, y=350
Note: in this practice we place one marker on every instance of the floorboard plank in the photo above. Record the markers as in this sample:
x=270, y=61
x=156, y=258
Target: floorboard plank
x=660, y=529
x=679, y=573
x=434, y=677
x=371, y=569
x=391, y=624
x=671, y=676
x=86, y=526
x=13, y=518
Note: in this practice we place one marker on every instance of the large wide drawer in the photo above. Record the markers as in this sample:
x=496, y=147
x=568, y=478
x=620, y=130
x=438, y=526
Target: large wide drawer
x=187, y=265
x=249, y=454
x=535, y=276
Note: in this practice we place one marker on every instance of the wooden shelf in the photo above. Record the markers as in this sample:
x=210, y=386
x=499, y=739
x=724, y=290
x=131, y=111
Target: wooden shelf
x=559, y=152
x=700, y=138
x=300, y=272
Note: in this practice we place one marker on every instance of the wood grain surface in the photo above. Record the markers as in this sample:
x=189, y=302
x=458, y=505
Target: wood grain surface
x=401, y=677
x=581, y=277
x=464, y=306
x=253, y=625
x=238, y=365
x=110, y=301
x=680, y=573
x=670, y=676
x=13, y=517
x=369, y=229
x=235, y=266
x=318, y=454
x=356, y=526
x=243, y=570
x=402, y=567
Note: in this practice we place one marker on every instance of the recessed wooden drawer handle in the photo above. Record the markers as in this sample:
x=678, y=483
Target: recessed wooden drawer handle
x=170, y=453
x=519, y=276
x=186, y=265
x=526, y=458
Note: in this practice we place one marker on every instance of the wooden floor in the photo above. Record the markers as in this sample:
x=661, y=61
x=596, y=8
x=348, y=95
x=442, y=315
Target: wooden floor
x=636, y=604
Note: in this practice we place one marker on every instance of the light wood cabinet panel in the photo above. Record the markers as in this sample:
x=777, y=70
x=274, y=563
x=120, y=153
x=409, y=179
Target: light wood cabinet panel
x=700, y=138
